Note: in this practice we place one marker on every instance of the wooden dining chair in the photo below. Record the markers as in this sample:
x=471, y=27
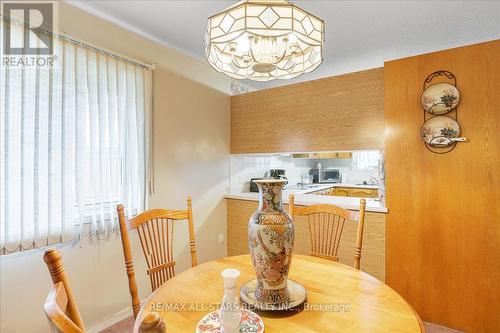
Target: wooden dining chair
x=326, y=223
x=156, y=232
x=60, y=306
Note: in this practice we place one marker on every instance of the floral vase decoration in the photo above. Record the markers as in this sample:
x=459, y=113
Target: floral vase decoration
x=271, y=240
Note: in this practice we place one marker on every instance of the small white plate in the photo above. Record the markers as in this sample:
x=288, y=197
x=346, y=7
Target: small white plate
x=250, y=323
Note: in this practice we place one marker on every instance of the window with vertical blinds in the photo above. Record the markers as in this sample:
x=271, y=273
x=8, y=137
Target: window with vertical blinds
x=72, y=144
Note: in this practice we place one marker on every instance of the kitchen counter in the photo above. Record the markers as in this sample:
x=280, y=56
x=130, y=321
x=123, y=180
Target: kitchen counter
x=305, y=197
x=240, y=206
x=368, y=187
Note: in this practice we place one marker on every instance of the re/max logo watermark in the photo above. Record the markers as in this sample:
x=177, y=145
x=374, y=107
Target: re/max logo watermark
x=27, y=33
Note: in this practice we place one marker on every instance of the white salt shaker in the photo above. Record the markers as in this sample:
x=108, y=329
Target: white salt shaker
x=230, y=312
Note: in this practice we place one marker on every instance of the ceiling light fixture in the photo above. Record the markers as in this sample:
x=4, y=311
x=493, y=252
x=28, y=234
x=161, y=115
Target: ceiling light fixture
x=264, y=40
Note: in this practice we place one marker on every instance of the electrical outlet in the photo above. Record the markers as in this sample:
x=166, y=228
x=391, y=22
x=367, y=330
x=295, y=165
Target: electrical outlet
x=221, y=238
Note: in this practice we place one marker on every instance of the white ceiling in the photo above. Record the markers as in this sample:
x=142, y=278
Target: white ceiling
x=359, y=34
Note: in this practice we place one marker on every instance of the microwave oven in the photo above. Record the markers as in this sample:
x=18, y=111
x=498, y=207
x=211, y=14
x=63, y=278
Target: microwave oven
x=326, y=175
x=331, y=176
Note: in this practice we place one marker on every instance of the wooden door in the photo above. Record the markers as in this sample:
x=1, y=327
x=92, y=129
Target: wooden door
x=443, y=226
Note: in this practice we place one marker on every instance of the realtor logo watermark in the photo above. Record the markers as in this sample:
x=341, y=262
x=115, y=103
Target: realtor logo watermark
x=28, y=28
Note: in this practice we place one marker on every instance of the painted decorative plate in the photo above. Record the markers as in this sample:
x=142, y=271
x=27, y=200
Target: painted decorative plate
x=440, y=131
x=250, y=323
x=298, y=295
x=440, y=98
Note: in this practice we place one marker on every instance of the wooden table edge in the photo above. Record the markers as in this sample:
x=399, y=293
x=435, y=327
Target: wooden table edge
x=143, y=303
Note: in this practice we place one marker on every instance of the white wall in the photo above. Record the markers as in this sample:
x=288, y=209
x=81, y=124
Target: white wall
x=192, y=157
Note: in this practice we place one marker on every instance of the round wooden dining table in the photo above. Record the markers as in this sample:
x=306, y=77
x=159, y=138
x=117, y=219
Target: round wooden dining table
x=339, y=299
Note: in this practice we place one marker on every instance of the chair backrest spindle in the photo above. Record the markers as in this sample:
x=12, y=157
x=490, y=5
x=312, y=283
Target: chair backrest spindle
x=129, y=263
x=326, y=224
x=156, y=233
x=359, y=234
x=192, y=244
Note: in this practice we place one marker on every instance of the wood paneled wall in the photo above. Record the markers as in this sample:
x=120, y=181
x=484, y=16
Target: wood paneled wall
x=343, y=112
x=443, y=229
x=373, y=252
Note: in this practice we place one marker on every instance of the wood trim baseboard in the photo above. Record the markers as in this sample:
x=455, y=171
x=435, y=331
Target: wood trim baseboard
x=113, y=319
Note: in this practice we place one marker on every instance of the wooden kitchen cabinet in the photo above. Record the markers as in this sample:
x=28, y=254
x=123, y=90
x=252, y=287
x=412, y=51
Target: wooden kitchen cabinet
x=343, y=192
x=320, y=115
x=354, y=192
x=344, y=154
x=363, y=193
x=323, y=192
x=337, y=155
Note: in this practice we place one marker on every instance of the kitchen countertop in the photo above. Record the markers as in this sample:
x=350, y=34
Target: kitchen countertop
x=368, y=187
x=305, y=197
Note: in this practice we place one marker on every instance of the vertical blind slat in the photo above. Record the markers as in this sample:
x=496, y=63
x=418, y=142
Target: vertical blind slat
x=50, y=156
x=79, y=133
x=62, y=55
x=5, y=162
x=23, y=151
x=36, y=169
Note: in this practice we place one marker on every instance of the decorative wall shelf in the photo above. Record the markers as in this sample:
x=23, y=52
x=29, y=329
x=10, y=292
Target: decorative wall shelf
x=440, y=130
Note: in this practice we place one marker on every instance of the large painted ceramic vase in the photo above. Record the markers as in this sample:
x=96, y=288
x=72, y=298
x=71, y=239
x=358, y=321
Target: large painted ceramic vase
x=270, y=238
